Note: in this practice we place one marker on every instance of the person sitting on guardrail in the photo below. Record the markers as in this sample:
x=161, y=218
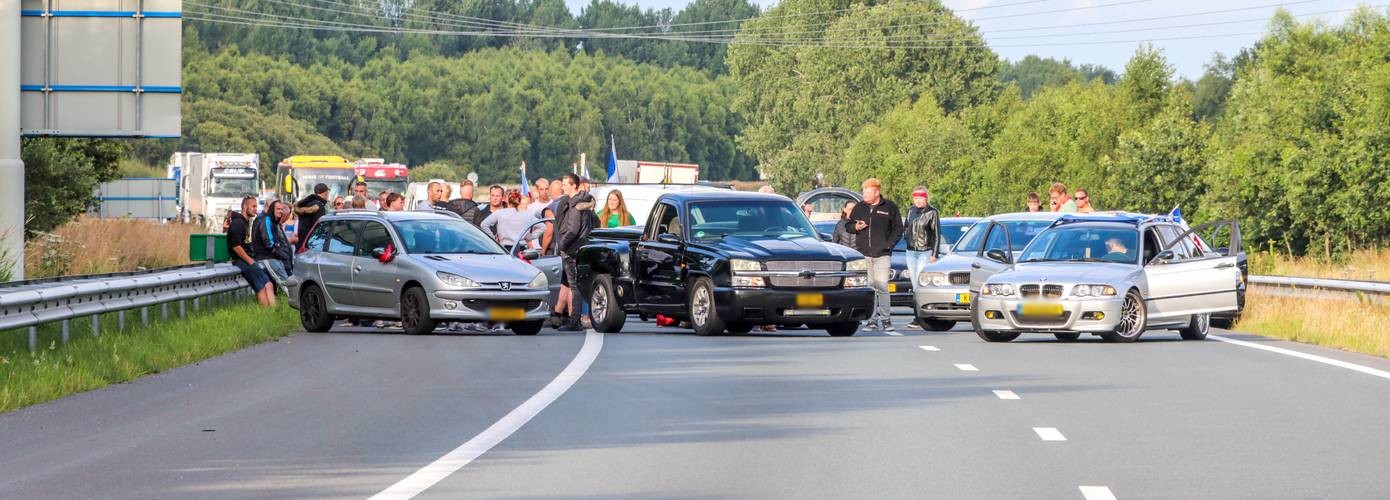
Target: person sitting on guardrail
x=239, y=248
x=270, y=247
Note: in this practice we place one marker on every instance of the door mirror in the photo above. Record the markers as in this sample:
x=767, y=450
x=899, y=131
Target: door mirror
x=529, y=254
x=826, y=237
x=998, y=255
x=1163, y=257
x=384, y=255
x=668, y=238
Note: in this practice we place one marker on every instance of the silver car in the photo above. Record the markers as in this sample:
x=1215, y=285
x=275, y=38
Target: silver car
x=941, y=291
x=1113, y=275
x=420, y=268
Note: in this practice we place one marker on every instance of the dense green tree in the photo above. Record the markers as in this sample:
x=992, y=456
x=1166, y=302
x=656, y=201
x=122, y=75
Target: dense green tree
x=1211, y=90
x=61, y=175
x=918, y=144
x=1032, y=73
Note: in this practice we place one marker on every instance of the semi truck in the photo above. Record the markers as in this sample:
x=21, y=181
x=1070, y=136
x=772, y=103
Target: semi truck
x=381, y=176
x=210, y=184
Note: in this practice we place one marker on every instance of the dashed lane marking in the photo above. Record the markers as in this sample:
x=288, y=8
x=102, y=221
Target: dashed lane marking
x=1049, y=434
x=893, y=334
x=1006, y=395
x=966, y=367
x=930, y=348
x=1310, y=357
x=1097, y=493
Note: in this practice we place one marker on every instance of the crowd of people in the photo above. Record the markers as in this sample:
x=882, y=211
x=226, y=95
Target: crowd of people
x=1080, y=202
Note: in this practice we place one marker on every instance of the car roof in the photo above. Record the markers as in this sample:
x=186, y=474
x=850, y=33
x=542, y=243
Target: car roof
x=721, y=195
x=390, y=216
x=1126, y=218
x=1025, y=216
x=959, y=220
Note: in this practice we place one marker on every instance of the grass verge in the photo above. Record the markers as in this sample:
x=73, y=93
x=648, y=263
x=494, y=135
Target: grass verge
x=92, y=246
x=1353, y=325
x=89, y=362
x=1372, y=264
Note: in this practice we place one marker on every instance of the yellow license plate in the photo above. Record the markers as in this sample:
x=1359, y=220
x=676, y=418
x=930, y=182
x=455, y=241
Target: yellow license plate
x=809, y=300
x=963, y=298
x=892, y=288
x=1041, y=309
x=506, y=314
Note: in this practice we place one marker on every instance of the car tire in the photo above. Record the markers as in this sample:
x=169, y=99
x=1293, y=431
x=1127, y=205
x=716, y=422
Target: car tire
x=415, y=312
x=986, y=336
x=1134, y=318
x=1068, y=336
x=527, y=327
x=607, y=315
x=738, y=327
x=704, y=316
x=936, y=325
x=842, y=329
x=1197, y=328
x=313, y=309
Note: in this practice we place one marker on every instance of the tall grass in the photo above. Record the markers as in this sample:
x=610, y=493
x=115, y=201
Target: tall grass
x=1367, y=265
x=90, y=246
x=92, y=362
x=1355, y=325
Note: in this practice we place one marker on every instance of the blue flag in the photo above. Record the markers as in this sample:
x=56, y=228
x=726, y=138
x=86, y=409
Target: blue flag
x=612, y=160
x=524, y=190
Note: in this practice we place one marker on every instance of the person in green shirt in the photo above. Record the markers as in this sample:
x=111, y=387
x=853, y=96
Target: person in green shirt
x=614, y=213
x=1061, y=200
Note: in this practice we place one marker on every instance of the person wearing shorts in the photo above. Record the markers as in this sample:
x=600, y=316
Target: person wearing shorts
x=240, y=251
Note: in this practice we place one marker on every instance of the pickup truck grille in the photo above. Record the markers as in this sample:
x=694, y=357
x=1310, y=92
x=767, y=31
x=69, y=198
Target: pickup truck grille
x=805, y=265
x=818, y=282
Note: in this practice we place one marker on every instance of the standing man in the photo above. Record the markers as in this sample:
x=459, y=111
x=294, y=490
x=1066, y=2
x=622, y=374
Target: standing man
x=923, y=236
x=239, y=248
x=807, y=209
x=1034, y=203
x=569, y=185
x=495, y=195
x=1061, y=201
x=309, y=209
x=540, y=197
x=1083, y=201
x=877, y=227
x=381, y=200
x=575, y=226
x=360, y=189
x=434, y=193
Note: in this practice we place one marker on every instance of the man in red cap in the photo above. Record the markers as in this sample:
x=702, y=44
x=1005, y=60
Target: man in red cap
x=923, y=237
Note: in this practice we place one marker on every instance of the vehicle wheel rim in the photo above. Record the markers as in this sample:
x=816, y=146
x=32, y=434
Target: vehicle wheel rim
x=699, y=313
x=1129, y=324
x=1203, y=323
x=411, y=317
x=310, y=311
x=599, y=304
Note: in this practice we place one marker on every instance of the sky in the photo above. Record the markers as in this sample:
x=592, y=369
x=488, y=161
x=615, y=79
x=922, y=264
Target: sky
x=1063, y=39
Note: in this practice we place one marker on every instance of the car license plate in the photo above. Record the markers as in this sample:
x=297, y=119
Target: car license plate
x=808, y=312
x=892, y=288
x=506, y=314
x=963, y=298
x=808, y=300
x=1040, y=310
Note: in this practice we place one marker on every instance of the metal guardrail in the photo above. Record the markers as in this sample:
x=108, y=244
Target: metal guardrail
x=1368, y=287
x=33, y=303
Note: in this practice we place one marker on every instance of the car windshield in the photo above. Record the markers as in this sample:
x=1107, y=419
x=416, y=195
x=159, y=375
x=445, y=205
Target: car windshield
x=336, y=179
x=951, y=232
x=376, y=187
x=1084, y=244
x=446, y=236
x=1020, y=233
x=233, y=187
x=762, y=219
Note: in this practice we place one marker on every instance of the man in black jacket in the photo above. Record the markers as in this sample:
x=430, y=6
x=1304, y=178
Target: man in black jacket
x=311, y=209
x=270, y=247
x=575, y=221
x=923, y=236
x=877, y=227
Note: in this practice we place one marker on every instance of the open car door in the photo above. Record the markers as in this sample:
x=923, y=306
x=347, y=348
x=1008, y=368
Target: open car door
x=548, y=264
x=1224, y=283
x=999, y=242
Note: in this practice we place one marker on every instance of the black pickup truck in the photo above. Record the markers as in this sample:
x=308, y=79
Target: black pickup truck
x=724, y=261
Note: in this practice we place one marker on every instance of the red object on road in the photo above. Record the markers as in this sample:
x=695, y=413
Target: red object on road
x=665, y=320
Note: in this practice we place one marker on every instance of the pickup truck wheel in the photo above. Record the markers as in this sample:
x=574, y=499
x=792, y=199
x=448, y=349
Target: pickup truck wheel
x=987, y=336
x=415, y=312
x=608, y=316
x=527, y=327
x=313, y=310
x=842, y=329
x=703, y=316
x=1198, y=327
x=739, y=328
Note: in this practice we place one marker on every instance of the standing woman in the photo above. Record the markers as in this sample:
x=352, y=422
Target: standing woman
x=508, y=222
x=614, y=212
x=842, y=235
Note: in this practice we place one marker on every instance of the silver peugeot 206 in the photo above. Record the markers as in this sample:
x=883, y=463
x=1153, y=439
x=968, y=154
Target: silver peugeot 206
x=419, y=268
x=1112, y=275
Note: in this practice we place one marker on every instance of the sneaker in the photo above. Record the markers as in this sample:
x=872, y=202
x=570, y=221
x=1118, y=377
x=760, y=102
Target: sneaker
x=888, y=327
x=455, y=327
x=870, y=326
x=912, y=325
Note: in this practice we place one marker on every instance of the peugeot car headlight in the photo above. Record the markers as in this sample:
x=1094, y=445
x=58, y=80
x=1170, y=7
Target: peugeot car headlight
x=1093, y=291
x=857, y=265
x=998, y=289
x=539, y=282
x=455, y=280
x=932, y=279
x=742, y=265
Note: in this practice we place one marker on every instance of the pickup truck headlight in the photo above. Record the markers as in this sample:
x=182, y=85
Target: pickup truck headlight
x=856, y=281
x=748, y=282
x=457, y=281
x=932, y=279
x=1093, y=291
x=997, y=289
x=740, y=265
x=539, y=282
x=857, y=265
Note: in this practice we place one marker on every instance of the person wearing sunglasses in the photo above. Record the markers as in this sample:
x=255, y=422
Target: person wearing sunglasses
x=1083, y=201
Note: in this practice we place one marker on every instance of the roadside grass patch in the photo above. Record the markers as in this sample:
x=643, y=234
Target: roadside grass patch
x=1371, y=264
x=1354, y=325
x=87, y=362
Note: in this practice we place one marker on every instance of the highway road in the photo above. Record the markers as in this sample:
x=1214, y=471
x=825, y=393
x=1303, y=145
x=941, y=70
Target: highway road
x=660, y=413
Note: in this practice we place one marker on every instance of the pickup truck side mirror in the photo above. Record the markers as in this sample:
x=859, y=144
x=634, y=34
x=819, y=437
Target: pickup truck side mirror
x=668, y=238
x=998, y=255
x=529, y=254
x=1163, y=257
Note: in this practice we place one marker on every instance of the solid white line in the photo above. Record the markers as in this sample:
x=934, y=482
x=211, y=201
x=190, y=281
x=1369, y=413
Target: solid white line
x=966, y=367
x=931, y=348
x=1097, y=493
x=451, y=462
x=1049, y=434
x=1310, y=357
x=1006, y=395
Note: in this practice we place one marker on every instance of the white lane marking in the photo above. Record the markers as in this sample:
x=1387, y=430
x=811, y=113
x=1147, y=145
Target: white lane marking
x=1097, y=493
x=893, y=334
x=1049, y=434
x=1310, y=357
x=967, y=367
x=1006, y=395
x=451, y=462
x=931, y=348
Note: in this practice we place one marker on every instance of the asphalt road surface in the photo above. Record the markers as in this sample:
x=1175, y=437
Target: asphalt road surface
x=662, y=413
